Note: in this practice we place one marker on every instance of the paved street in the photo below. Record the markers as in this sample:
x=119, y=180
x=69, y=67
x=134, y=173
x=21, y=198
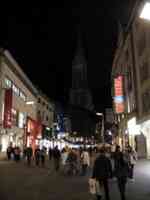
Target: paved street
x=18, y=182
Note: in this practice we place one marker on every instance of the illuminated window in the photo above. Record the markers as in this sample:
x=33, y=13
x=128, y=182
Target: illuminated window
x=8, y=83
x=14, y=117
x=22, y=95
x=21, y=120
x=15, y=89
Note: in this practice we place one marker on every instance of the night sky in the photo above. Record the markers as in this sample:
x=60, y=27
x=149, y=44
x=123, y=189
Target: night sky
x=42, y=38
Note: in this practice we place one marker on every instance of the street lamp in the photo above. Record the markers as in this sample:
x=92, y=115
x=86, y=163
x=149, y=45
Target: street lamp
x=145, y=13
x=102, y=128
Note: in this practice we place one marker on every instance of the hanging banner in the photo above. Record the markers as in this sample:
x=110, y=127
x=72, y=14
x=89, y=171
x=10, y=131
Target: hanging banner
x=8, y=109
x=119, y=97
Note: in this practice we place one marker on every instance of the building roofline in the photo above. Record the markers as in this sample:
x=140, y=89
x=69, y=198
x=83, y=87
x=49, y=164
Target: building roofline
x=18, y=71
x=135, y=11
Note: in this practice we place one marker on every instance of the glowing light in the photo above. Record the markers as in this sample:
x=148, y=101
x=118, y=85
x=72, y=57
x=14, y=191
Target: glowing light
x=145, y=14
x=99, y=114
x=30, y=102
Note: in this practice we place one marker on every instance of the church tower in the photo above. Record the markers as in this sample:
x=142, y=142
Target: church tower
x=80, y=94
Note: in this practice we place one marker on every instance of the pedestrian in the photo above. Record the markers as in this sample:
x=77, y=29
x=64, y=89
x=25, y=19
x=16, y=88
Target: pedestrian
x=85, y=161
x=121, y=173
x=28, y=153
x=72, y=162
x=37, y=154
x=42, y=156
x=17, y=152
x=132, y=162
x=50, y=152
x=102, y=171
x=9, y=152
x=56, y=156
x=64, y=157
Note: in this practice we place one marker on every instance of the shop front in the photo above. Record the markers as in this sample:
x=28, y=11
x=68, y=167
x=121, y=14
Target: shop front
x=145, y=130
x=33, y=133
x=138, y=138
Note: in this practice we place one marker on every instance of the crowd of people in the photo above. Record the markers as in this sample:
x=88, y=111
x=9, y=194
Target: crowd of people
x=71, y=161
x=118, y=164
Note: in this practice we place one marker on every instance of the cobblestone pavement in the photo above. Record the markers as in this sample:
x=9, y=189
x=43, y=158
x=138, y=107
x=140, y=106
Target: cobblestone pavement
x=19, y=182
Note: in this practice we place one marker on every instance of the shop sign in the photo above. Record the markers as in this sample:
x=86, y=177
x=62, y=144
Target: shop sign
x=119, y=98
x=8, y=109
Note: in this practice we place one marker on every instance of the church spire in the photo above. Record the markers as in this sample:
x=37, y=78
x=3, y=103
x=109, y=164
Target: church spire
x=79, y=53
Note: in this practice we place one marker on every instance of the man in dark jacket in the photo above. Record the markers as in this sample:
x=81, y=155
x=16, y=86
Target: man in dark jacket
x=29, y=154
x=102, y=171
x=121, y=171
x=56, y=156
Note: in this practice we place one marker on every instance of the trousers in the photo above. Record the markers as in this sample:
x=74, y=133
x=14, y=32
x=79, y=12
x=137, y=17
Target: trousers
x=104, y=182
x=122, y=186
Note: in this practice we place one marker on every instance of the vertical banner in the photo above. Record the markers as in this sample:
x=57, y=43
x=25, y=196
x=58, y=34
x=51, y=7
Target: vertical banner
x=119, y=97
x=8, y=109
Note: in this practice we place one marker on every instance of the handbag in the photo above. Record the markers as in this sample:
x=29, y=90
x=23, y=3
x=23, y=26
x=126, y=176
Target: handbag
x=94, y=187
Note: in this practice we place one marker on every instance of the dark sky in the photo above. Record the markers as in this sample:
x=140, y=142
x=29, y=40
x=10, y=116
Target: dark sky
x=42, y=39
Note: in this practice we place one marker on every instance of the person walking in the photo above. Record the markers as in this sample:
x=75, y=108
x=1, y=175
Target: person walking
x=9, y=152
x=102, y=171
x=72, y=162
x=121, y=173
x=56, y=156
x=64, y=156
x=37, y=154
x=132, y=162
x=50, y=152
x=29, y=153
x=43, y=155
x=17, y=152
x=85, y=160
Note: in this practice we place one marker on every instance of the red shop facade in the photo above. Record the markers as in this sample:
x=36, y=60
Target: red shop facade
x=33, y=133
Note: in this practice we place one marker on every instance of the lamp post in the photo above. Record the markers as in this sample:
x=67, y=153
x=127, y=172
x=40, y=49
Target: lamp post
x=102, y=127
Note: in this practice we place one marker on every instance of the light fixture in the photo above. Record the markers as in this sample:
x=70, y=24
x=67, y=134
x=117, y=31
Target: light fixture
x=47, y=128
x=99, y=114
x=30, y=102
x=145, y=14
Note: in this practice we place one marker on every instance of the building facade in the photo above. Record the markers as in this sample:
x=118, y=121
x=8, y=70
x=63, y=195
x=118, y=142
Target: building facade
x=45, y=114
x=16, y=91
x=26, y=114
x=132, y=63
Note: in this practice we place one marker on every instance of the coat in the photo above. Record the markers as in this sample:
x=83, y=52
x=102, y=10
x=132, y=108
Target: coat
x=121, y=165
x=85, y=158
x=102, y=168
